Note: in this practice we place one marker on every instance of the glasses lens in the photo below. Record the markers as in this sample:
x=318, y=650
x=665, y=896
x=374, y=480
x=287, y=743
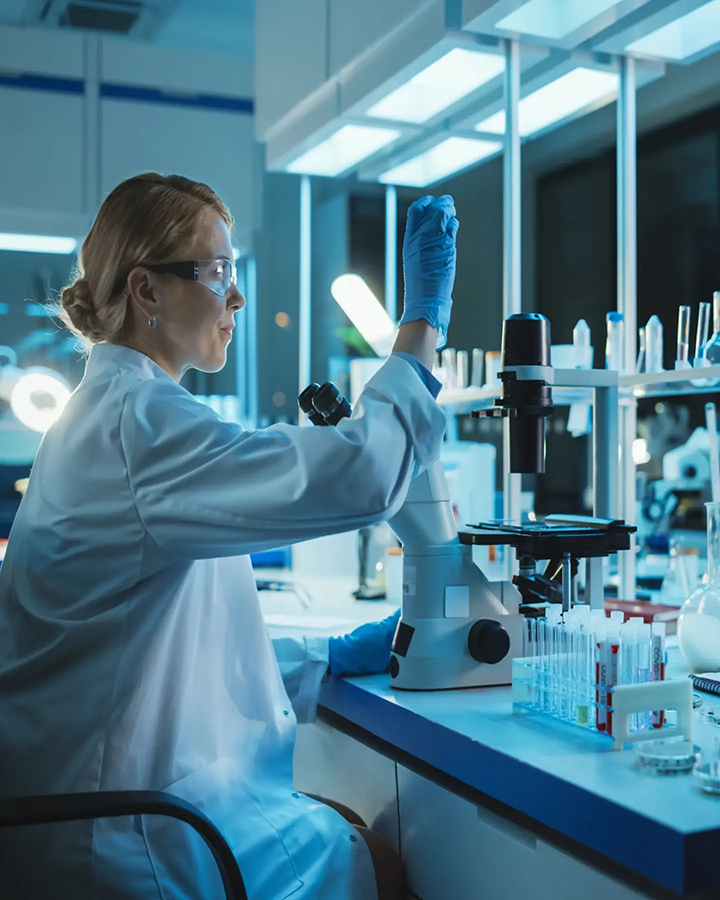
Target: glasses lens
x=219, y=275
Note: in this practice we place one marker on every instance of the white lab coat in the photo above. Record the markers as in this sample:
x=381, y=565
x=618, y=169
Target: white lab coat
x=133, y=654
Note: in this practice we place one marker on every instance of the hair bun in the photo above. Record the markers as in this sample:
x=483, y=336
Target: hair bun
x=77, y=301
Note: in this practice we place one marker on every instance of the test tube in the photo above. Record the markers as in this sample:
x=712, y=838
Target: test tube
x=461, y=368
x=642, y=352
x=654, y=345
x=703, y=333
x=682, y=360
x=611, y=658
x=581, y=342
x=615, y=341
x=643, y=669
x=449, y=364
x=657, y=666
x=478, y=359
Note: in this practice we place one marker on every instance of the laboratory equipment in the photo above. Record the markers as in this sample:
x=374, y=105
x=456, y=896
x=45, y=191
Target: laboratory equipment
x=478, y=360
x=654, y=345
x=615, y=341
x=583, y=348
x=457, y=628
x=642, y=350
x=707, y=775
x=461, y=369
x=712, y=348
x=703, y=333
x=449, y=365
x=682, y=358
x=712, y=430
x=699, y=622
x=667, y=756
x=595, y=673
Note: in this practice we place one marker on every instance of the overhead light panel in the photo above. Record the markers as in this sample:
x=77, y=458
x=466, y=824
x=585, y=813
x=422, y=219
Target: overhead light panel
x=440, y=85
x=365, y=311
x=38, y=243
x=344, y=149
x=553, y=19
x=683, y=38
x=556, y=101
x=441, y=161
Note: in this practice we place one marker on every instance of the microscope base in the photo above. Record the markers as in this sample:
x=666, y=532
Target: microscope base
x=437, y=656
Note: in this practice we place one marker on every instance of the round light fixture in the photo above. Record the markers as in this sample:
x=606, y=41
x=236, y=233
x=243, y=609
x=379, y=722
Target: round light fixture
x=38, y=398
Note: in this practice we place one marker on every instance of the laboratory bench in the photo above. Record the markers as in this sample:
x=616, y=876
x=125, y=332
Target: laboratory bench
x=484, y=803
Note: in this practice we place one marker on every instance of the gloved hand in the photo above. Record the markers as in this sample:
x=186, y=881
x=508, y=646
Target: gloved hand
x=429, y=262
x=366, y=650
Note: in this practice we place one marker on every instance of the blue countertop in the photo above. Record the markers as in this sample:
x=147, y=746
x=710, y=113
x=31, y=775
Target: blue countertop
x=661, y=827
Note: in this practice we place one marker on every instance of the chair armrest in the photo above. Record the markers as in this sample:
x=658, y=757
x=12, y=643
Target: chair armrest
x=43, y=810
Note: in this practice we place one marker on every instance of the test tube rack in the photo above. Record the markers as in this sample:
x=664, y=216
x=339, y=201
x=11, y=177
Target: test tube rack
x=554, y=685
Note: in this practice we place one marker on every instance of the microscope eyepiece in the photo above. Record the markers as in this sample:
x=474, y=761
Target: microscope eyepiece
x=331, y=404
x=305, y=402
x=324, y=404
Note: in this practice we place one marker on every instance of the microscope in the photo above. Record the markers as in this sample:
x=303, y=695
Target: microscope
x=457, y=629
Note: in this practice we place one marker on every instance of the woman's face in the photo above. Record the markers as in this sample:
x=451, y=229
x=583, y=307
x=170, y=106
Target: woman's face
x=194, y=319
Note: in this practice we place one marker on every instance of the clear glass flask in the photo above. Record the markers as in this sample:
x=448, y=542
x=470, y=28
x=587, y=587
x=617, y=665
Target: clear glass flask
x=712, y=348
x=699, y=622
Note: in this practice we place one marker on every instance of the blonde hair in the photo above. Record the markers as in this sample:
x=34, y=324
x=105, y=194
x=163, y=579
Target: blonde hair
x=147, y=218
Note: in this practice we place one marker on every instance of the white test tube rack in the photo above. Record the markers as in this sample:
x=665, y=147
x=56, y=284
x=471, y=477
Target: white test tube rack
x=554, y=690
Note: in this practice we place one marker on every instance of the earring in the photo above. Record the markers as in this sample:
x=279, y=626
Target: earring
x=152, y=322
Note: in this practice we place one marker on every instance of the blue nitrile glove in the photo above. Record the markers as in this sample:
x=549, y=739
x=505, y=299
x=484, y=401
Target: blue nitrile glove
x=429, y=262
x=366, y=650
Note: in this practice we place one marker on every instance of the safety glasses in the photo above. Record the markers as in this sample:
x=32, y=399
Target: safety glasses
x=217, y=274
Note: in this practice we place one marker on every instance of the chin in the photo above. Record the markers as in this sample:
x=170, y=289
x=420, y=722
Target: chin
x=213, y=364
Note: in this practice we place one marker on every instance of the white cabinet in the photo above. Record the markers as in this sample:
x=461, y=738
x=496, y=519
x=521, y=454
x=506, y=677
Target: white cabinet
x=202, y=144
x=41, y=150
x=453, y=848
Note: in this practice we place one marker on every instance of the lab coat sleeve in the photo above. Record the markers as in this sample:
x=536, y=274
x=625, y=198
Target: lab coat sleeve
x=303, y=665
x=204, y=488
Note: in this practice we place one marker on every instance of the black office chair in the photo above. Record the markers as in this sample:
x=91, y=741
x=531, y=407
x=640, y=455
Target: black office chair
x=111, y=804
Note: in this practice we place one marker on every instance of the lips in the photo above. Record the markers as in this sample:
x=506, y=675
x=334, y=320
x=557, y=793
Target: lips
x=228, y=329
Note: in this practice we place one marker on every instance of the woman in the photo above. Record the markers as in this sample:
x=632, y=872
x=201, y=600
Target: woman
x=133, y=653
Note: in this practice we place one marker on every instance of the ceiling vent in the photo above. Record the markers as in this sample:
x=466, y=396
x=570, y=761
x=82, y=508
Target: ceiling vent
x=138, y=18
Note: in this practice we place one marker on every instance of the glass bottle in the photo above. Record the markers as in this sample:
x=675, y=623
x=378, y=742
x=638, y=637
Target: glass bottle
x=699, y=622
x=712, y=348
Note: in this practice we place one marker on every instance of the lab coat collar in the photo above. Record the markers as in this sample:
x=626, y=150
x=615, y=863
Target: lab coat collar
x=106, y=357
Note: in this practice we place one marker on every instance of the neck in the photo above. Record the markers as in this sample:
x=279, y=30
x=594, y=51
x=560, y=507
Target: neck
x=155, y=353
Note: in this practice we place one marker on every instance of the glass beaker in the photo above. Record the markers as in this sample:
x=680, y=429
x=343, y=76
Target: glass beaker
x=681, y=577
x=699, y=622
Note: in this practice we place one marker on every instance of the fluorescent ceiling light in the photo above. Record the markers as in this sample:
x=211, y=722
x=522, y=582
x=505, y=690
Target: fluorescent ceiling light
x=452, y=155
x=342, y=150
x=365, y=311
x=556, y=101
x=439, y=86
x=37, y=243
x=685, y=37
x=553, y=19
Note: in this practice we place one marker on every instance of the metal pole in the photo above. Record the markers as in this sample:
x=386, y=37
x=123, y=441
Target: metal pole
x=304, y=377
x=512, y=302
x=605, y=441
x=251, y=341
x=627, y=299
x=391, y=251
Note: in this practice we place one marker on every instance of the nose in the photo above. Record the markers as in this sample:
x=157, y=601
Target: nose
x=235, y=300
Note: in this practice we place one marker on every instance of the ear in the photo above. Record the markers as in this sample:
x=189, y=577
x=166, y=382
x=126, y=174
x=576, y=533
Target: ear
x=141, y=285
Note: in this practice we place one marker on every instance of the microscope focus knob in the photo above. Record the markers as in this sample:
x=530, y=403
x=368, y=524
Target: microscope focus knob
x=488, y=642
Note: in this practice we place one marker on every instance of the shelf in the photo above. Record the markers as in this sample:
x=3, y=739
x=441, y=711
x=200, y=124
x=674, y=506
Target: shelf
x=673, y=383
x=653, y=384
